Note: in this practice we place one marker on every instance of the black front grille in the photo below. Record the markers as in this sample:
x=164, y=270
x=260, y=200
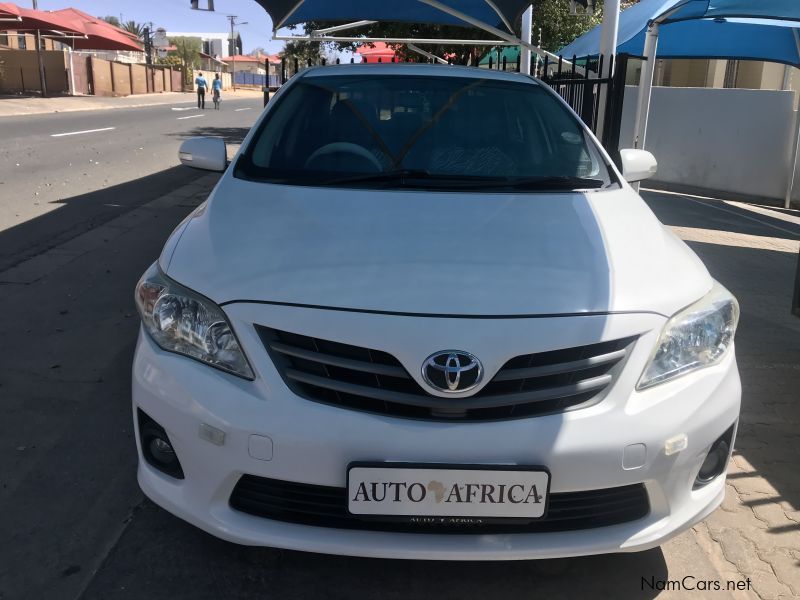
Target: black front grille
x=374, y=381
x=324, y=506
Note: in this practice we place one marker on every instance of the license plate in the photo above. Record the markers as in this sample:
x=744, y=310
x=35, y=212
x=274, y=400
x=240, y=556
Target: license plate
x=448, y=491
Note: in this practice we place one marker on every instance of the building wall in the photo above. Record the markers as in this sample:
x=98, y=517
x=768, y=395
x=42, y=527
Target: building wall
x=19, y=71
x=729, y=140
x=26, y=41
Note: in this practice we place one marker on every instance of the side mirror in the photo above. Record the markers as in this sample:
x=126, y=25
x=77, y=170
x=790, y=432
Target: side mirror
x=204, y=153
x=637, y=165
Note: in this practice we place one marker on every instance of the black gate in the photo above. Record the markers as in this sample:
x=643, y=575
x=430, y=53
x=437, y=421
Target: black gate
x=582, y=92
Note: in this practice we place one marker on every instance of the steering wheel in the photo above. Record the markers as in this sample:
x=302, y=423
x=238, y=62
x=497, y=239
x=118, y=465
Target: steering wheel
x=345, y=148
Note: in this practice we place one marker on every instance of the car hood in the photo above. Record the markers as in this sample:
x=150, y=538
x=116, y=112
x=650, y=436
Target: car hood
x=448, y=253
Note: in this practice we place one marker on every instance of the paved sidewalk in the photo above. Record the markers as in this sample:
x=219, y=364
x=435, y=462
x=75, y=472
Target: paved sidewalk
x=753, y=251
x=13, y=106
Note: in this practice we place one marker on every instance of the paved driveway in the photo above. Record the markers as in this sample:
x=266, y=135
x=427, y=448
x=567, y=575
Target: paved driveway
x=74, y=524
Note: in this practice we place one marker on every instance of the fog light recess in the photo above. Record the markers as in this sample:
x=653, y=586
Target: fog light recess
x=156, y=447
x=716, y=460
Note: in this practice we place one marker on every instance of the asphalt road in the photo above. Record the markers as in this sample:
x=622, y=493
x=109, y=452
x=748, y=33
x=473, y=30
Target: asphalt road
x=55, y=169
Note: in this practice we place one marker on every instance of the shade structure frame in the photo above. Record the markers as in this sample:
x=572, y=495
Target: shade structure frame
x=499, y=13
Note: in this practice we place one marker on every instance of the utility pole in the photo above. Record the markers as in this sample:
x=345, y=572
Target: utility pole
x=42, y=78
x=232, y=48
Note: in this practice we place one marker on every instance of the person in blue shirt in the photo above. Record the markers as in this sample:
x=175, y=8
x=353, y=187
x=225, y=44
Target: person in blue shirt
x=216, y=88
x=201, y=84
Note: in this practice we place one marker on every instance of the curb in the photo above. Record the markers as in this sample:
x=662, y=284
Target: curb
x=107, y=107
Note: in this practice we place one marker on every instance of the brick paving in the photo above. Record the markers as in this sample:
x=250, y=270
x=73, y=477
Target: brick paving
x=753, y=252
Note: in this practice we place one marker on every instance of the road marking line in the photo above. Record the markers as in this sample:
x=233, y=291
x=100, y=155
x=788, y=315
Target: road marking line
x=241, y=109
x=79, y=132
x=190, y=117
x=184, y=108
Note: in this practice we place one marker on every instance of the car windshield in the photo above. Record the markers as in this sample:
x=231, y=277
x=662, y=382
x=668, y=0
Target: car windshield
x=429, y=132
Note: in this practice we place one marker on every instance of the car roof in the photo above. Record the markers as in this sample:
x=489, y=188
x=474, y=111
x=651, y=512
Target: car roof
x=416, y=69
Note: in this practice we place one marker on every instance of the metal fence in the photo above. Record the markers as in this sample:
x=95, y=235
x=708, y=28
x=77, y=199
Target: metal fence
x=583, y=85
x=247, y=78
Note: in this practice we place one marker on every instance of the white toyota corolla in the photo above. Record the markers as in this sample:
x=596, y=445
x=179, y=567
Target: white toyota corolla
x=422, y=301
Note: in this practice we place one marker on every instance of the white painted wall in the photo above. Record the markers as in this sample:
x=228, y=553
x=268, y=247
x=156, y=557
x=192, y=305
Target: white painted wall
x=729, y=140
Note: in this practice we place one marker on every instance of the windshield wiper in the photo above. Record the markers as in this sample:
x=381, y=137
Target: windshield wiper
x=539, y=183
x=398, y=176
x=416, y=177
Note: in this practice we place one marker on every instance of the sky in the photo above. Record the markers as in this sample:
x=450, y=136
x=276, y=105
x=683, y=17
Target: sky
x=175, y=15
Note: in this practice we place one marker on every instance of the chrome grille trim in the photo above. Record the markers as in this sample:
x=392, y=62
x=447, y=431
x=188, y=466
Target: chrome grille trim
x=374, y=381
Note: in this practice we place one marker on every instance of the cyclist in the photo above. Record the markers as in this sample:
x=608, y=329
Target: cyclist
x=216, y=88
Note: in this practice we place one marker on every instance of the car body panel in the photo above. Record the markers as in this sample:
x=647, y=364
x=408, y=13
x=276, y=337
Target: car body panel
x=436, y=252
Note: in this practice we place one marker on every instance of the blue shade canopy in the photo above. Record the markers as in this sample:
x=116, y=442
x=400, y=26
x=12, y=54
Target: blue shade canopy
x=782, y=10
x=726, y=38
x=498, y=13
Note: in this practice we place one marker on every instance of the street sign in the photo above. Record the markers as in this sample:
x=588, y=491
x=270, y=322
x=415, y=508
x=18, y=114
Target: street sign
x=160, y=38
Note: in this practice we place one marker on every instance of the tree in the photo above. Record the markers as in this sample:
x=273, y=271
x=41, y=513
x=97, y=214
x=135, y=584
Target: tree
x=258, y=52
x=187, y=49
x=460, y=53
x=558, y=28
x=135, y=28
x=302, y=52
x=112, y=20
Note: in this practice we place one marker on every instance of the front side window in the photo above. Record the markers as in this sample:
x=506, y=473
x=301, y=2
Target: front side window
x=431, y=132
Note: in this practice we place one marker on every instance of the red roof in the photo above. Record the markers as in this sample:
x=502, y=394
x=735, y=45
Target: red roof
x=375, y=51
x=30, y=19
x=8, y=10
x=101, y=35
x=273, y=58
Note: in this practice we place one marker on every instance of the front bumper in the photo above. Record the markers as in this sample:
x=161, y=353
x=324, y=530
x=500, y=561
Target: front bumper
x=313, y=443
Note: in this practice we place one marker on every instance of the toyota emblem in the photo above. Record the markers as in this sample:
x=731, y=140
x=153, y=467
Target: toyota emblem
x=452, y=371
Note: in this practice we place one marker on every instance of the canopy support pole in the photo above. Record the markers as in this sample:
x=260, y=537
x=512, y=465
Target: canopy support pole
x=793, y=161
x=426, y=54
x=393, y=40
x=353, y=25
x=71, y=72
x=796, y=146
x=510, y=39
x=645, y=88
x=527, y=35
x=609, y=35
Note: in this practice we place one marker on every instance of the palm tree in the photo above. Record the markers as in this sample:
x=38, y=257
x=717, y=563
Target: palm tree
x=135, y=28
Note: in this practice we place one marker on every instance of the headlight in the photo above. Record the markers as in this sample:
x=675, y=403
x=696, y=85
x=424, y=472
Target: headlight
x=696, y=337
x=182, y=321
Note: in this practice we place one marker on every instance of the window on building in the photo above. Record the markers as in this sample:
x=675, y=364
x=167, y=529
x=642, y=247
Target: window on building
x=3, y=38
x=731, y=74
x=22, y=42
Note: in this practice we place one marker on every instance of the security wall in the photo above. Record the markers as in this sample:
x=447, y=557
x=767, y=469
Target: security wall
x=727, y=140
x=19, y=71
